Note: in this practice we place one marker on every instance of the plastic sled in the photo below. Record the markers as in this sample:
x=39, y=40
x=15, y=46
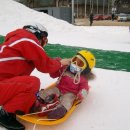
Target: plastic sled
x=35, y=119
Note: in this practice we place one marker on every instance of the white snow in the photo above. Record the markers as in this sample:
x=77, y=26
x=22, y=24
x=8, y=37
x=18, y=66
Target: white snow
x=108, y=104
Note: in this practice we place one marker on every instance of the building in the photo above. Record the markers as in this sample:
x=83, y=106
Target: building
x=64, y=13
x=82, y=8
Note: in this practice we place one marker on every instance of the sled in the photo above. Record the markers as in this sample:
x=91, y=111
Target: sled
x=35, y=119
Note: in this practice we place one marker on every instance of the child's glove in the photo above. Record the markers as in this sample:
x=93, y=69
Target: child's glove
x=82, y=94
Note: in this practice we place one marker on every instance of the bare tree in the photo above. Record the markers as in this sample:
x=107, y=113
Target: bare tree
x=30, y=3
x=56, y=3
x=97, y=6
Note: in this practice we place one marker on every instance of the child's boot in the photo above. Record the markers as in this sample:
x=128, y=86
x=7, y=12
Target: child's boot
x=58, y=112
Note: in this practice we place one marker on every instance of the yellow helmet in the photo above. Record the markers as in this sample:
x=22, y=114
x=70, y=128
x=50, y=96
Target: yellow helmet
x=88, y=57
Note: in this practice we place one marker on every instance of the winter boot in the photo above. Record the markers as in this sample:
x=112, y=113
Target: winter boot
x=58, y=112
x=50, y=102
x=8, y=120
x=42, y=107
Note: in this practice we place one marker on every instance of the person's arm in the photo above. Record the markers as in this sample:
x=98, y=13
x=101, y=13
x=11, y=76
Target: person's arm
x=36, y=55
x=65, y=61
x=61, y=70
x=83, y=90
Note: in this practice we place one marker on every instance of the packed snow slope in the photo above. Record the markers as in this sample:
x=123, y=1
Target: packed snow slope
x=108, y=104
x=14, y=15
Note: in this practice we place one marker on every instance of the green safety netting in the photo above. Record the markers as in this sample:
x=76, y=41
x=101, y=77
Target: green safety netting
x=114, y=60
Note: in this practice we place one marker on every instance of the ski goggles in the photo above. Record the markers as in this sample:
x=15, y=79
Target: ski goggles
x=79, y=61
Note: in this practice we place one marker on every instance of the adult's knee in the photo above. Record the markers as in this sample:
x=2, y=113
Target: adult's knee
x=32, y=83
x=35, y=82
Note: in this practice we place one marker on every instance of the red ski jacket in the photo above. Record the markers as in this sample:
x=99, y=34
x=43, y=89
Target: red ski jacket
x=21, y=52
x=66, y=83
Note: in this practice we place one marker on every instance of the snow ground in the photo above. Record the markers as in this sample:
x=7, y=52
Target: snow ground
x=108, y=104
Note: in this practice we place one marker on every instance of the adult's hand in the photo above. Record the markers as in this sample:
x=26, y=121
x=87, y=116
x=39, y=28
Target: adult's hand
x=65, y=61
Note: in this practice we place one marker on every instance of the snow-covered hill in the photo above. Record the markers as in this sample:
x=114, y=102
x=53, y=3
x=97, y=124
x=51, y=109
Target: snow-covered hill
x=14, y=15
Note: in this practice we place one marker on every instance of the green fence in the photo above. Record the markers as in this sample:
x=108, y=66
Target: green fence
x=1, y=39
x=113, y=60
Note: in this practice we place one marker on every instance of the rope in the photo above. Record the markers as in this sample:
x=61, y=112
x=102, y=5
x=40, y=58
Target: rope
x=39, y=112
x=34, y=127
x=77, y=78
x=61, y=75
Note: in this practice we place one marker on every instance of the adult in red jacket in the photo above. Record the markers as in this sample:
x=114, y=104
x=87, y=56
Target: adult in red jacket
x=22, y=52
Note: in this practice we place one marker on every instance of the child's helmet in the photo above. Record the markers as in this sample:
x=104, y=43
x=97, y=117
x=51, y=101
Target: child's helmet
x=37, y=29
x=81, y=63
x=88, y=57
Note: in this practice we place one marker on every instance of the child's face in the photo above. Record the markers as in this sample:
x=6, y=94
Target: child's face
x=79, y=61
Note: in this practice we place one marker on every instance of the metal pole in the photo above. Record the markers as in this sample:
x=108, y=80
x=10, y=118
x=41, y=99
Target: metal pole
x=108, y=7
x=72, y=11
x=103, y=7
x=77, y=9
x=85, y=9
x=92, y=5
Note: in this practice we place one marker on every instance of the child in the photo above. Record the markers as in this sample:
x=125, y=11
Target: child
x=72, y=85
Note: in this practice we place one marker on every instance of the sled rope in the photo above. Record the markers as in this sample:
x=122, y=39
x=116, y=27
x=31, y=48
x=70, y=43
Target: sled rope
x=76, y=77
x=38, y=112
x=61, y=75
x=34, y=127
